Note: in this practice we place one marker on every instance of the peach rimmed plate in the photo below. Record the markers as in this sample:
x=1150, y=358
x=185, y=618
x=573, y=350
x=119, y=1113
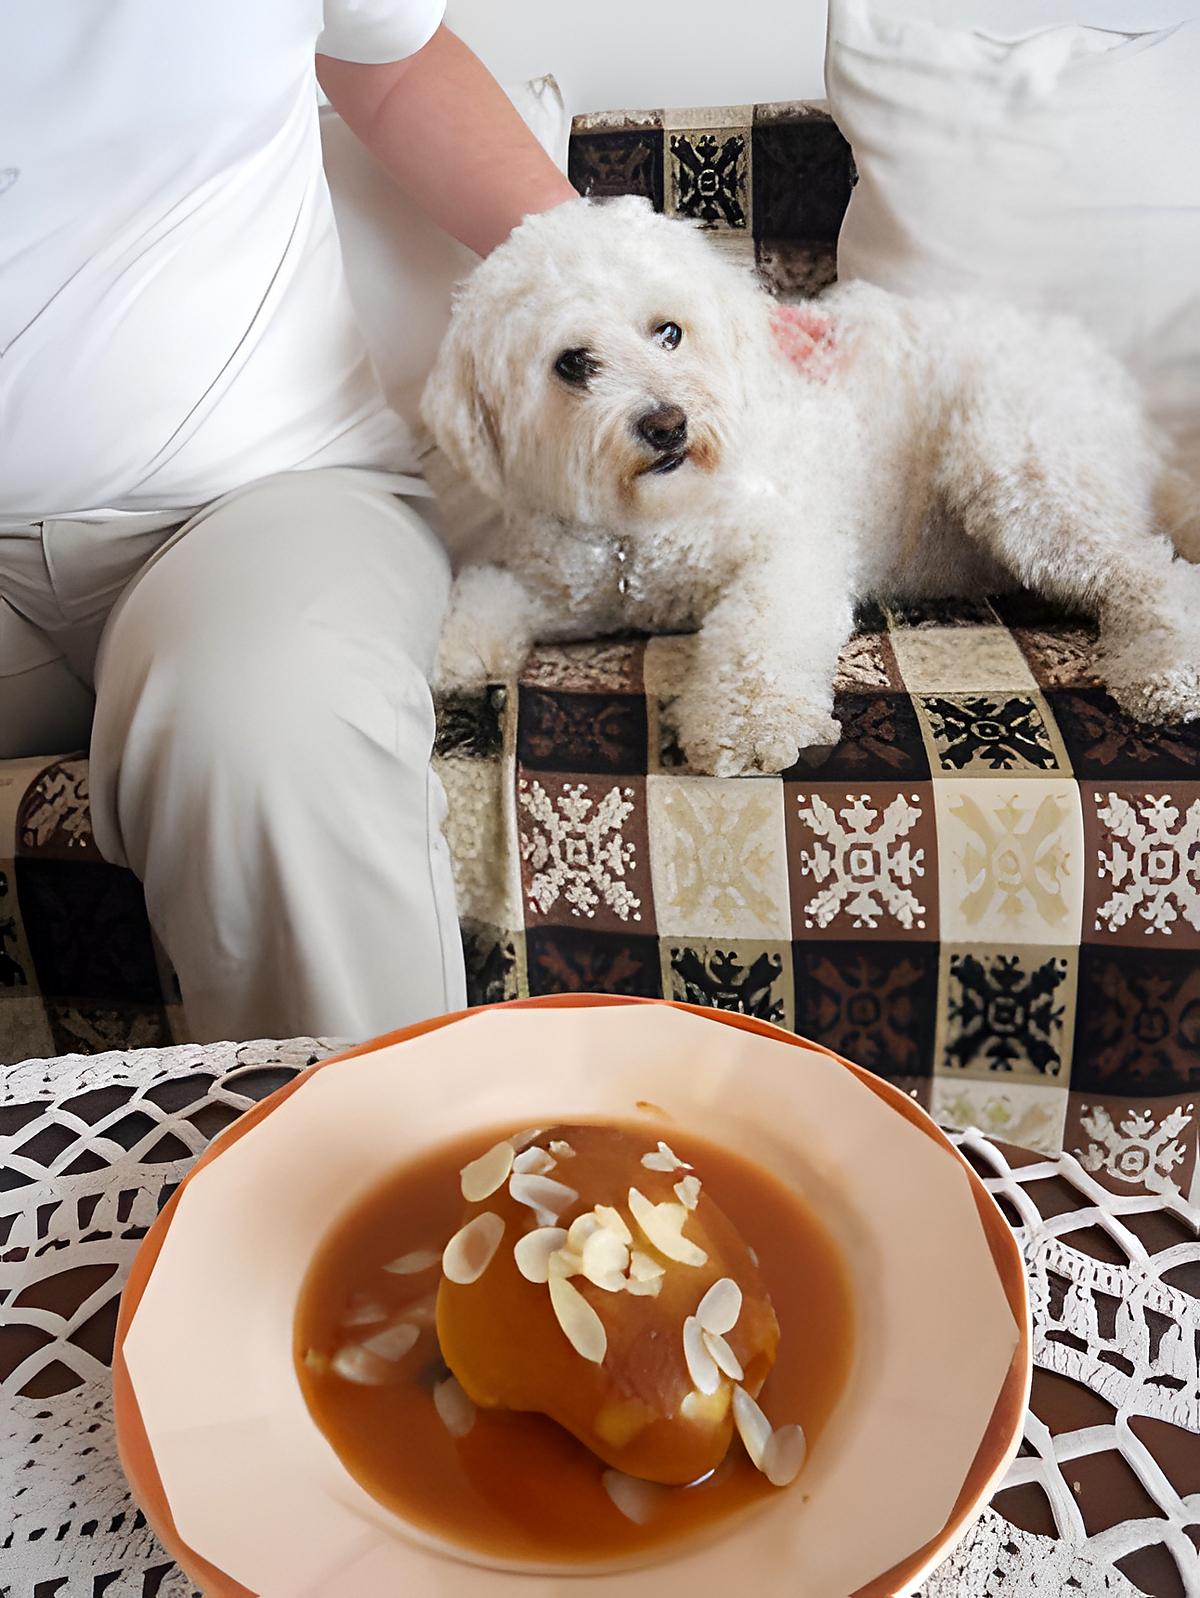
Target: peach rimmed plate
x=249, y=1496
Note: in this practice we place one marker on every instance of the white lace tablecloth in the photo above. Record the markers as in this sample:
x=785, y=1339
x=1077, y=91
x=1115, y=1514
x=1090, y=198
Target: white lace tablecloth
x=1103, y=1499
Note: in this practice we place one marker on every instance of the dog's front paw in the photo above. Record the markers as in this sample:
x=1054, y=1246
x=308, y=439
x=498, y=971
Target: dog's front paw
x=1165, y=698
x=764, y=737
x=488, y=631
x=471, y=654
x=456, y=669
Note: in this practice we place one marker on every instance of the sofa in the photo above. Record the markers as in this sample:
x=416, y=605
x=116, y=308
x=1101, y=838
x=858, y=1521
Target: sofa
x=989, y=892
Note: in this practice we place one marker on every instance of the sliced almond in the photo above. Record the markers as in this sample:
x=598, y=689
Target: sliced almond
x=522, y=1140
x=726, y=1360
x=394, y=1341
x=613, y=1220
x=688, y=1192
x=481, y=1178
x=469, y=1252
x=783, y=1457
x=561, y=1150
x=419, y=1260
x=581, y=1326
x=753, y=1256
x=314, y=1360
x=607, y=1281
x=354, y=1363
x=364, y=1311
x=637, y=1500
x=664, y=1159
x=753, y=1426
x=702, y=1367
x=532, y=1252
x=605, y=1260
x=455, y=1409
x=649, y=1288
x=533, y=1162
x=720, y=1307
x=544, y=1196
x=644, y=1268
x=565, y=1262
x=663, y=1227
x=580, y=1230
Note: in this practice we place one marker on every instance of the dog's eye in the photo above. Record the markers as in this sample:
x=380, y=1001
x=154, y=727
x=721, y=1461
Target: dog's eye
x=668, y=335
x=576, y=366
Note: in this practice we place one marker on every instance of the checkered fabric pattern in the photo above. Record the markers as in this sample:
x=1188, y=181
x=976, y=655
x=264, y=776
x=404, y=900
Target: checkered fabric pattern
x=989, y=891
x=770, y=181
x=80, y=970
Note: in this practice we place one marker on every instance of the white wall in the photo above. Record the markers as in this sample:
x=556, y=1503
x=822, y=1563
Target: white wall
x=642, y=54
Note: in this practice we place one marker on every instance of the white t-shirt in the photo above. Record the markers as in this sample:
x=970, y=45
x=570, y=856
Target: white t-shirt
x=174, y=320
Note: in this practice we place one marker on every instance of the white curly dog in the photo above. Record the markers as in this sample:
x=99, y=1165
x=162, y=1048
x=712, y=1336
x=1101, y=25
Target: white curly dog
x=671, y=449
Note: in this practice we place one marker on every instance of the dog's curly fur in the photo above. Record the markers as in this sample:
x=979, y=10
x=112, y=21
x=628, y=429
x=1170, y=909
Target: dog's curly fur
x=863, y=445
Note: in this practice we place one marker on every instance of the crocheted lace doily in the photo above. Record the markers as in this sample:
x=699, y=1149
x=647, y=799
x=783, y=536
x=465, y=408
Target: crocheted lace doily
x=1123, y=1330
x=90, y=1148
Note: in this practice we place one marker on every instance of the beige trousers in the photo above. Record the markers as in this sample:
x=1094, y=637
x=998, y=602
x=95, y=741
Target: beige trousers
x=260, y=744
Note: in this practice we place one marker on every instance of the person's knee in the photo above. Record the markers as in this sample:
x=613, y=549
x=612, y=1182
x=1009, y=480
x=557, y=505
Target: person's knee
x=279, y=711
x=199, y=724
x=272, y=658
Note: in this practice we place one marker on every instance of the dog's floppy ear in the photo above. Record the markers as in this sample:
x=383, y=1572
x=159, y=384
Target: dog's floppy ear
x=456, y=412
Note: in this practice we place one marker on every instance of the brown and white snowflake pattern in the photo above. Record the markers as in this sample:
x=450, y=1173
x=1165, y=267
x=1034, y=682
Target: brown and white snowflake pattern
x=861, y=863
x=1145, y=882
x=579, y=859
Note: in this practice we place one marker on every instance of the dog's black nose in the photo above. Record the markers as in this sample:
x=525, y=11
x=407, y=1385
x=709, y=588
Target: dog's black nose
x=664, y=428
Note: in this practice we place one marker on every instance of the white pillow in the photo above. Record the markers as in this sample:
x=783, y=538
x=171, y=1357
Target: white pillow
x=1009, y=148
x=400, y=266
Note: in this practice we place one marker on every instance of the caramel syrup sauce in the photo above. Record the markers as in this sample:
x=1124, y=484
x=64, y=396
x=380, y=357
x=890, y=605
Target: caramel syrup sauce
x=517, y=1487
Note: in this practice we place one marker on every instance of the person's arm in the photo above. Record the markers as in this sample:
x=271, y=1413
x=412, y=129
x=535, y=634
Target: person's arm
x=448, y=134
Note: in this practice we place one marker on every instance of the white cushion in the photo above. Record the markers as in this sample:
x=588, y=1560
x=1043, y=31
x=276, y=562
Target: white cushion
x=1039, y=152
x=400, y=266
